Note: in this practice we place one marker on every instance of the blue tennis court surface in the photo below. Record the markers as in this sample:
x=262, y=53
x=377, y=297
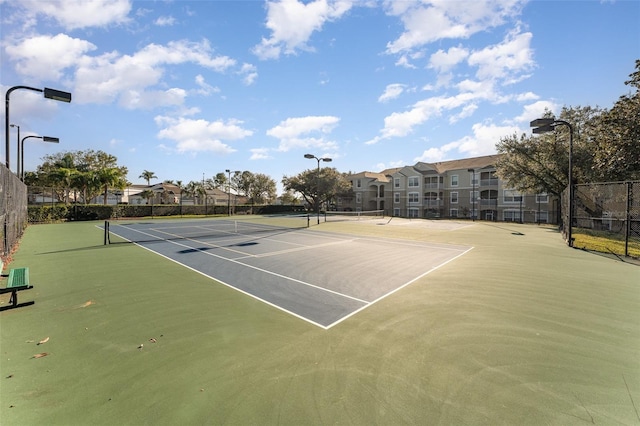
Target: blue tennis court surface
x=320, y=277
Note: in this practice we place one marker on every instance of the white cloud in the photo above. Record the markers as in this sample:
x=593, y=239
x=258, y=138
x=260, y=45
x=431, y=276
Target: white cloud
x=194, y=135
x=205, y=88
x=292, y=23
x=433, y=155
x=260, y=154
x=444, y=61
x=506, y=60
x=75, y=14
x=46, y=57
x=536, y=110
x=392, y=91
x=165, y=21
x=104, y=78
x=426, y=22
x=484, y=139
x=249, y=73
x=297, y=132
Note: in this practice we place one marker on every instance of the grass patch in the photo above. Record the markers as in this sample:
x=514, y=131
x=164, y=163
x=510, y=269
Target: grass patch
x=605, y=242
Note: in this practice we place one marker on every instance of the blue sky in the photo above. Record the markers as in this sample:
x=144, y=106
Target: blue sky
x=187, y=89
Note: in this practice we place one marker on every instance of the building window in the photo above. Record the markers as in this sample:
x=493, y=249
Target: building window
x=510, y=196
x=414, y=197
x=542, y=217
x=413, y=212
x=396, y=212
x=453, y=212
x=542, y=198
x=454, y=180
x=454, y=198
x=396, y=182
x=473, y=197
x=396, y=197
x=511, y=215
x=358, y=197
x=358, y=183
x=414, y=182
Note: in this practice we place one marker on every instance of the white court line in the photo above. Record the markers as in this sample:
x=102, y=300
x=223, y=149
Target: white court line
x=346, y=296
x=366, y=304
x=292, y=250
x=396, y=289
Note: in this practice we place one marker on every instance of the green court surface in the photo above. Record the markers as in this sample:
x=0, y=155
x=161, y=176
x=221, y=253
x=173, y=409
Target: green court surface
x=520, y=330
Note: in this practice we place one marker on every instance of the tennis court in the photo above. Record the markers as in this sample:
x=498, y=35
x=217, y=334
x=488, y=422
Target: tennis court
x=320, y=277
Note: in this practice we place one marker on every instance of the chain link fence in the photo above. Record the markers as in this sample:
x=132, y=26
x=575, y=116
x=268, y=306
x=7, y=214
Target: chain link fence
x=606, y=217
x=13, y=210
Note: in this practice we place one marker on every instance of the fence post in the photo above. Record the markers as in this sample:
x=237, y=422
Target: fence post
x=627, y=232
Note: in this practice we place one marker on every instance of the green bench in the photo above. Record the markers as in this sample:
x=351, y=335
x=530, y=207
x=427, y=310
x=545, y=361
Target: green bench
x=18, y=280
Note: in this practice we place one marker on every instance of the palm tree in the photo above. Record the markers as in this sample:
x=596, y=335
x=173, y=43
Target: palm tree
x=147, y=194
x=110, y=177
x=147, y=175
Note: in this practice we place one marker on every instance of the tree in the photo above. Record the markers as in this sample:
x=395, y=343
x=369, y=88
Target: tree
x=89, y=172
x=260, y=188
x=317, y=189
x=289, y=198
x=617, y=151
x=220, y=180
x=147, y=194
x=541, y=163
x=147, y=175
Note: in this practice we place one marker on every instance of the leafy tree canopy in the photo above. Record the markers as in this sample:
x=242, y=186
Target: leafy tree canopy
x=86, y=173
x=317, y=189
x=606, y=147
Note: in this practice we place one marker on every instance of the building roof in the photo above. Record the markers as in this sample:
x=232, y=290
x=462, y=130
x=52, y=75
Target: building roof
x=464, y=164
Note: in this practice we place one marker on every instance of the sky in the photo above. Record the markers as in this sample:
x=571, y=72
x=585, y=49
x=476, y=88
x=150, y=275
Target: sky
x=188, y=89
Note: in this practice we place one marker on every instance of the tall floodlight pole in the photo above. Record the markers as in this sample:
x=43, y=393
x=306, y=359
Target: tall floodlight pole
x=54, y=94
x=328, y=160
x=473, y=194
x=44, y=139
x=17, y=147
x=546, y=125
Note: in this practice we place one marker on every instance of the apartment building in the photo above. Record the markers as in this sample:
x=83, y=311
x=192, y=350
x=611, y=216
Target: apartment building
x=467, y=188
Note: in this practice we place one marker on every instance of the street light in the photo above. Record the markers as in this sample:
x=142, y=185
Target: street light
x=54, y=94
x=17, y=146
x=44, y=139
x=229, y=190
x=545, y=125
x=328, y=160
x=473, y=194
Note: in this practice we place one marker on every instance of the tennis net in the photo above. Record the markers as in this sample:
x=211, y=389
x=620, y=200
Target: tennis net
x=358, y=215
x=202, y=229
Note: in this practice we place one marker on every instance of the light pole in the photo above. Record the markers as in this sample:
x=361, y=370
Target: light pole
x=44, y=139
x=17, y=147
x=229, y=189
x=473, y=194
x=54, y=94
x=546, y=125
x=328, y=160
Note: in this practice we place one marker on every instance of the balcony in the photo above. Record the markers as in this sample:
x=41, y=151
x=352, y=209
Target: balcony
x=489, y=182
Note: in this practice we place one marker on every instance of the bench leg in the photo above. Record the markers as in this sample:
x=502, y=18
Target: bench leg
x=14, y=298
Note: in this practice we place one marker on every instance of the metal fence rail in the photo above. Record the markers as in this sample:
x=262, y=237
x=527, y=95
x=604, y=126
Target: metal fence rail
x=610, y=210
x=13, y=209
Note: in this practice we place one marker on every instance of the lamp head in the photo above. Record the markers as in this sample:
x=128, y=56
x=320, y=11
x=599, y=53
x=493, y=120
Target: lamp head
x=309, y=156
x=57, y=95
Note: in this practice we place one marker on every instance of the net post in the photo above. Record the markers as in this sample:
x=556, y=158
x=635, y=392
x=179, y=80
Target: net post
x=308, y=220
x=106, y=232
